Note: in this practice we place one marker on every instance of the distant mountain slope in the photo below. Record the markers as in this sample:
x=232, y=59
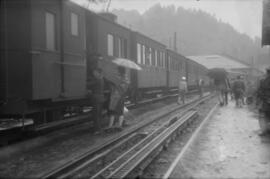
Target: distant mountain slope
x=198, y=33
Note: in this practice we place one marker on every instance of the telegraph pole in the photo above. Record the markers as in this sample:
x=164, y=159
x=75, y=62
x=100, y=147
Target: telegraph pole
x=174, y=42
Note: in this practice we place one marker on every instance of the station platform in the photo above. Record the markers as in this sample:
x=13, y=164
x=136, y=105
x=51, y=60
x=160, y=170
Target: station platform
x=227, y=146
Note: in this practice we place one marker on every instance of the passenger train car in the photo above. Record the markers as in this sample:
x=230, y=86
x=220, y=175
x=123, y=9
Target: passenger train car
x=176, y=69
x=47, y=58
x=150, y=55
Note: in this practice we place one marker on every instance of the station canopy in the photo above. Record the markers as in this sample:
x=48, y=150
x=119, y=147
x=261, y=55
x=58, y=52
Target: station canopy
x=217, y=61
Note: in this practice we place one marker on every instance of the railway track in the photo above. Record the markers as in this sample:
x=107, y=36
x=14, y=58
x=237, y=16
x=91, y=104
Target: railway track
x=173, y=165
x=81, y=118
x=157, y=99
x=130, y=160
x=101, y=151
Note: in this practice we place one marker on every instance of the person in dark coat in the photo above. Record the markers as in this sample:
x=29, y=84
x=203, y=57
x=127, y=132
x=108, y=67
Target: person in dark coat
x=238, y=91
x=200, y=87
x=223, y=87
x=117, y=98
x=263, y=95
x=98, y=98
x=182, y=90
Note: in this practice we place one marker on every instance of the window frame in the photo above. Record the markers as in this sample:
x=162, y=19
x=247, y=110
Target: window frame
x=156, y=57
x=139, y=51
x=143, y=54
x=119, y=46
x=112, y=43
x=77, y=24
x=150, y=56
x=54, y=30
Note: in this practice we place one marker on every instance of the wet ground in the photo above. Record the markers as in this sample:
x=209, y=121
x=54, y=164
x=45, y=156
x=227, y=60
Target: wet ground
x=228, y=146
x=24, y=161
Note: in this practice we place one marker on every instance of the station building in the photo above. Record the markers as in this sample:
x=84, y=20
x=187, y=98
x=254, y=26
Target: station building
x=233, y=66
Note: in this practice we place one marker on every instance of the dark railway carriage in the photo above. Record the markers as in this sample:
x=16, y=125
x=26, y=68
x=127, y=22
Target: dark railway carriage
x=203, y=71
x=151, y=56
x=192, y=74
x=176, y=69
x=195, y=72
x=47, y=57
x=108, y=39
x=43, y=58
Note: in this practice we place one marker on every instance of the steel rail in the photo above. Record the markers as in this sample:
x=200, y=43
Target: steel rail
x=190, y=141
x=154, y=100
x=98, y=157
x=142, y=155
x=125, y=156
x=80, y=160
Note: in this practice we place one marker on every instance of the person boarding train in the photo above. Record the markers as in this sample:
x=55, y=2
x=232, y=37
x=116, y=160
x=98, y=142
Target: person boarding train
x=182, y=89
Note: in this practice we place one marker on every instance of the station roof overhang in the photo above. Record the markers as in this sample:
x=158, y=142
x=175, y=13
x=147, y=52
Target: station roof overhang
x=218, y=61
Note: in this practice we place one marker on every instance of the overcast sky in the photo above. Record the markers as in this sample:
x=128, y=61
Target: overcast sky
x=244, y=15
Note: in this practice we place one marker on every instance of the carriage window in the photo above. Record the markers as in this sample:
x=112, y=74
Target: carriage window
x=50, y=31
x=110, y=44
x=147, y=55
x=164, y=60
x=143, y=54
x=158, y=62
x=74, y=24
x=160, y=59
x=150, y=56
x=156, y=58
x=139, y=53
x=169, y=62
x=120, y=46
x=124, y=49
x=153, y=57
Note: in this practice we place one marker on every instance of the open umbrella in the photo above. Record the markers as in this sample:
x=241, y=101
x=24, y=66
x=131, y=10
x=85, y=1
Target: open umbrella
x=218, y=73
x=126, y=63
x=109, y=69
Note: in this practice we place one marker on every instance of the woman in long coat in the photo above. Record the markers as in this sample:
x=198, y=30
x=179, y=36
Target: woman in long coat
x=117, y=98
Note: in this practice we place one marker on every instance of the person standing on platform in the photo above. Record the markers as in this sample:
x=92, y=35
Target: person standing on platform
x=264, y=97
x=182, y=89
x=200, y=87
x=238, y=91
x=223, y=86
x=98, y=98
x=231, y=91
x=117, y=98
x=244, y=92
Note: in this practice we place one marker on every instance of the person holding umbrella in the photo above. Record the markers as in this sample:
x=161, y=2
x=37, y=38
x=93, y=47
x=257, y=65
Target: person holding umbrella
x=222, y=84
x=115, y=72
x=238, y=90
x=117, y=98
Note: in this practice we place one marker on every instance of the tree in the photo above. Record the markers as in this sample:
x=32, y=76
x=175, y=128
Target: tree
x=99, y=1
